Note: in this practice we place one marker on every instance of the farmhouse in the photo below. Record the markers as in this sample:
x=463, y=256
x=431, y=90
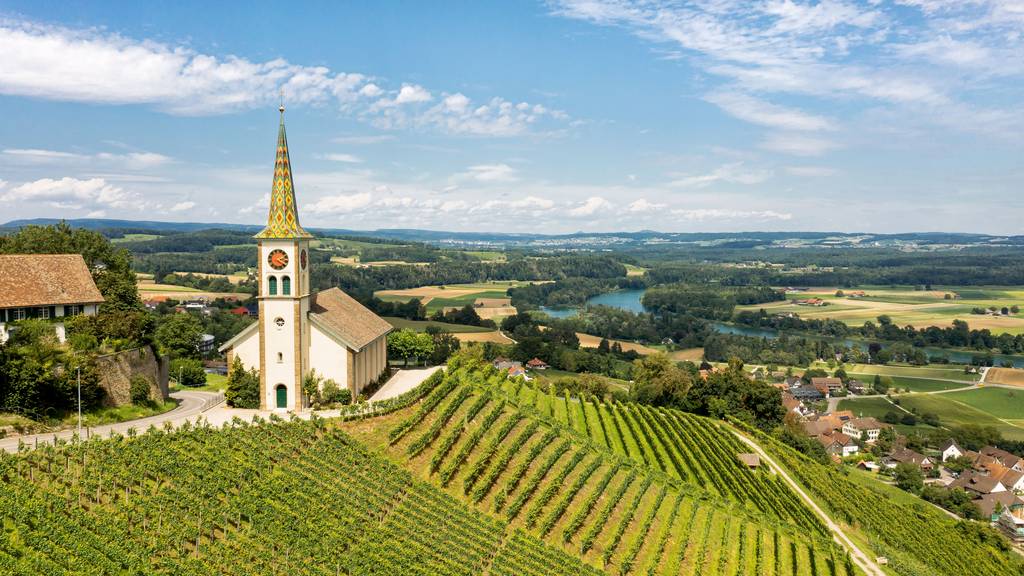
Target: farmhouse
x=838, y=444
x=537, y=364
x=870, y=427
x=300, y=331
x=45, y=286
x=992, y=505
x=951, y=450
x=908, y=456
x=827, y=386
x=1005, y=458
x=977, y=484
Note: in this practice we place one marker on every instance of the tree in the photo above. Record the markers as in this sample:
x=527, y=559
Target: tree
x=1015, y=309
x=179, y=334
x=407, y=344
x=658, y=381
x=243, y=386
x=188, y=372
x=908, y=477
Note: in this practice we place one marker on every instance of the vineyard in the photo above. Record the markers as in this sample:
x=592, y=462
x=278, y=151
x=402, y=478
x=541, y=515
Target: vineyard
x=918, y=540
x=295, y=498
x=627, y=489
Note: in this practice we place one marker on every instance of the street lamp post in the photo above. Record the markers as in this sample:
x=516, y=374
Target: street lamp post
x=79, y=402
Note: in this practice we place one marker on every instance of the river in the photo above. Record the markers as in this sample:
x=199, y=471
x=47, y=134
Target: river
x=631, y=300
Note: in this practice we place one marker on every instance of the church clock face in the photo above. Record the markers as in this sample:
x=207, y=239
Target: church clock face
x=302, y=259
x=277, y=259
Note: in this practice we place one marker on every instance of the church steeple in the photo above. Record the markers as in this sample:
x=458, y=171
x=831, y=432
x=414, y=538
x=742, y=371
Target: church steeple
x=283, y=220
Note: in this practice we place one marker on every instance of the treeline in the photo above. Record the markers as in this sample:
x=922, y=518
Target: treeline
x=361, y=283
x=711, y=303
x=224, y=260
x=570, y=291
x=209, y=283
x=784, y=351
x=191, y=242
x=959, y=335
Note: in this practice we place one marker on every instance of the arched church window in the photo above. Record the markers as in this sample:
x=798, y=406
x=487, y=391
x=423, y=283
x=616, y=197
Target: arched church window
x=272, y=285
x=280, y=358
x=286, y=285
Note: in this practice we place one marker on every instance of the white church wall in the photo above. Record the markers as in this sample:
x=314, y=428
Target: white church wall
x=248, y=351
x=279, y=318
x=328, y=357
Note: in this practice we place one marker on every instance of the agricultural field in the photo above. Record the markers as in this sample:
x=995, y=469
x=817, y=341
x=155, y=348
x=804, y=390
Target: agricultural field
x=299, y=498
x=150, y=289
x=907, y=306
x=532, y=460
x=1007, y=376
x=422, y=325
x=916, y=537
x=457, y=296
x=982, y=406
x=934, y=372
x=913, y=384
x=591, y=341
x=134, y=238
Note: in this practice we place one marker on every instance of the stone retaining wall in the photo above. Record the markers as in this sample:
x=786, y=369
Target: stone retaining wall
x=116, y=371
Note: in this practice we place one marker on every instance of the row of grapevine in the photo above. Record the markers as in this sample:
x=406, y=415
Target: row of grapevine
x=533, y=465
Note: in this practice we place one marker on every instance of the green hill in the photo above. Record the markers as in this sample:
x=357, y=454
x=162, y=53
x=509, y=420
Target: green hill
x=661, y=492
x=293, y=498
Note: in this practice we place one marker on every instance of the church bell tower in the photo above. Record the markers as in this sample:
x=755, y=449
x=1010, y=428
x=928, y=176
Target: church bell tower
x=283, y=272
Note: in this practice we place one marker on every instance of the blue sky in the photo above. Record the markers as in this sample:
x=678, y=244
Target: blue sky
x=717, y=115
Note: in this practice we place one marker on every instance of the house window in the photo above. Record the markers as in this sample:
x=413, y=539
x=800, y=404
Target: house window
x=18, y=314
x=72, y=310
x=286, y=285
x=272, y=285
x=42, y=312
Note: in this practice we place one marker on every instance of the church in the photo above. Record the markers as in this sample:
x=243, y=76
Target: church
x=300, y=331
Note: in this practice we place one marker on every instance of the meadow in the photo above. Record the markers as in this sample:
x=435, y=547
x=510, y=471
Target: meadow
x=907, y=306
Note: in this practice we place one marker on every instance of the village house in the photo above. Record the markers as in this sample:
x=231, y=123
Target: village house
x=838, y=444
x=47, y=287
x=1012, y=479
x=518, y=372
x=977, y=484
x=908, y=456
x=806, y=393
x=993, y=505
x=537, y=364
x=868, y=427
x=1005, y=458
x=951, y=450
x=792, y=405
x=856, y=386
x=1012, y=524
x=827, y=386
x=503, y=364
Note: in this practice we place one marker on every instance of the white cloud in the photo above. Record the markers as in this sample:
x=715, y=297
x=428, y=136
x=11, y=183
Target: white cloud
x=590, y=206
x=341, y=157
x=798, y=144
x=129, y=161
x=643, y=205
x=719, y=214
x=757, y=111
x=487, y=173
x=733, y=173
x=339, y=204
x=90, y=65
x=182, y=206
x=72, y=193
x=412, y=93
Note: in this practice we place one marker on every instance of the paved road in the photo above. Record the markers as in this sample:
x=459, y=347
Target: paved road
x=403, y=381
x=192, y=405
x=862, y=560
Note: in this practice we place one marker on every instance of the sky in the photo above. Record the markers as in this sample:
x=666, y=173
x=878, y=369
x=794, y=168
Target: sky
x=549, y=117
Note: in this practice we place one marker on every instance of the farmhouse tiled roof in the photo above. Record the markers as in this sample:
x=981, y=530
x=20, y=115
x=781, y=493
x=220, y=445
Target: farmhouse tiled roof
x=45, y=280
x=908, y=456
x=979, y=483
x=1005, y=458
x=987, y=503
x=866, y=423
x=346, y=318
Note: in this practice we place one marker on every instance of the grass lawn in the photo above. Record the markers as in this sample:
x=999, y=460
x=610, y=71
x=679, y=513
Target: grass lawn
x=421, y=325
x=913, y=384
x=103, y=416
x=553, y=374
x=954, y=413
x=1000, y=402
x=932, y=372
x=214, y=383
x=877, y=407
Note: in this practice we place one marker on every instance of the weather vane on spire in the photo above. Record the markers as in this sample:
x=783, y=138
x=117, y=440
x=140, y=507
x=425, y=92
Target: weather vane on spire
x=281, y=108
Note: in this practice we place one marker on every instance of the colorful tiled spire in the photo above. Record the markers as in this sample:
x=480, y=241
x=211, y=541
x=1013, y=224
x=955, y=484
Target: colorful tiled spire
x=283, y=221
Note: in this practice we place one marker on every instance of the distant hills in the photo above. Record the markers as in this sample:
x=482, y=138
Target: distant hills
x=582, y=240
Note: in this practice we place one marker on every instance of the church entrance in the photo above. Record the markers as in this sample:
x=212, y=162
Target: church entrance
x=282, y=396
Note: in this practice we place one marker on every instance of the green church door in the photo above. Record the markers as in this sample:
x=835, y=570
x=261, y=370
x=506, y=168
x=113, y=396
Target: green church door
x=282, y=396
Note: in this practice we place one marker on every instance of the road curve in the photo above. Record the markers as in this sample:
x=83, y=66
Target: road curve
x=862, y=560
x=192, y=403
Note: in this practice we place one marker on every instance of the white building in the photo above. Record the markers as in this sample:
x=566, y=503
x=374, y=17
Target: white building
x=300, y=331
x=870, y=427
x=45, y=286
x=951, y=450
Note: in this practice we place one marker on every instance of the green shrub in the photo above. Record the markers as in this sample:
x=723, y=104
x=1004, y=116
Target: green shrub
x=331, y=393
x=140, y=388
x=243, y=387
x=188, y=372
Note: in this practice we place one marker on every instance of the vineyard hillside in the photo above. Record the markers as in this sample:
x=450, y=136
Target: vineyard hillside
x=627, y=489
x=917, y=538
x=294, y=498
